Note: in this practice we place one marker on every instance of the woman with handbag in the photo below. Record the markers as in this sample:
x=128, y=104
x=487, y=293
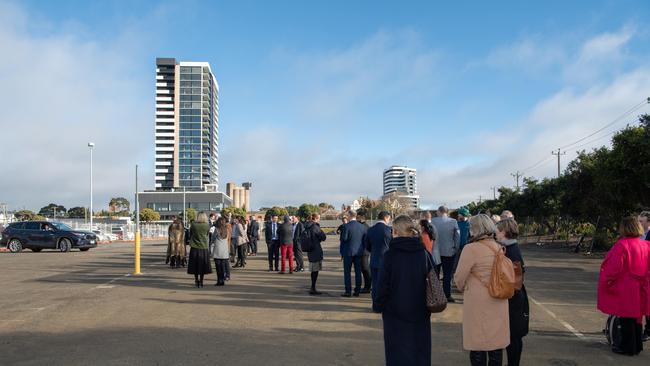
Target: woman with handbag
x=486, y=324
x=402, y=297
x=518, y=307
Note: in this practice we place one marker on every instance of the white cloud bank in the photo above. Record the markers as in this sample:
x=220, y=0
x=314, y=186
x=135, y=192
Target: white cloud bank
x=58, y=93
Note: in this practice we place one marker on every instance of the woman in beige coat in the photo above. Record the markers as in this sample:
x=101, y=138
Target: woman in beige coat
x=486, y=328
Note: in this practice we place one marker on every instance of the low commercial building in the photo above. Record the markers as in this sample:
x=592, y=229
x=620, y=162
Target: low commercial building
x=170, y=203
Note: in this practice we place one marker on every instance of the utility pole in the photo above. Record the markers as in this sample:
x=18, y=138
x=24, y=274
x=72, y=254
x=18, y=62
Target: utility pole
x=494, y=193
x=558, y=154
x=480, y=199
x=517, y=175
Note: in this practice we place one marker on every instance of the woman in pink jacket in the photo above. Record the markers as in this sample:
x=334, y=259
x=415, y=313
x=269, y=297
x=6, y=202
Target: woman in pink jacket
x=623, y=285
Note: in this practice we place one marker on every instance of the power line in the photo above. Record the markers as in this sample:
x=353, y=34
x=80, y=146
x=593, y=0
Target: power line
x=617, y=119
x=537, y=164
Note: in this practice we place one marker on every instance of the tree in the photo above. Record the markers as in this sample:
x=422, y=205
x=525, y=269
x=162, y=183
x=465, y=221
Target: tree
x=324, y=206
x=191, y=215
x=306, y=210
x=275, y=211
x=292, y=210
x=234, y=211
x=77, y=212
x=24, y=215
x=51, y=209
x=119, y=204
x=148, y=215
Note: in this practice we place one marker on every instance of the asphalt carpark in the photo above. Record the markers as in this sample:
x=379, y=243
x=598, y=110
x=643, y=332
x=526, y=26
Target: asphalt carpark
x=87, y=309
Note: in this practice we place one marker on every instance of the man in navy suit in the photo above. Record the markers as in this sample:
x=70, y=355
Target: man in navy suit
x=353, y=237
x=377, y=240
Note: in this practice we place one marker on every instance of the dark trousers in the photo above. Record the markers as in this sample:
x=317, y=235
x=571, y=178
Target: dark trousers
x=347, y=273
x=375, y=277
x=365, y=270
x=241, y=254
x=227, y=271
x=447, y=272
x=252, y=242
x=220, y=264
x=514, y=351
x=631, y=336
x=297, y=253
x=274, y=254
x=647, y=326
x=482, y=358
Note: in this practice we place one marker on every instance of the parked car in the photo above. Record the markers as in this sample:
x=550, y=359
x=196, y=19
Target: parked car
x=39, y=235
x=104, y=236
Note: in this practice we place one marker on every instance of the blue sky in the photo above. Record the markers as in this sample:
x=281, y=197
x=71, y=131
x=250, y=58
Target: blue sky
x=317, y=98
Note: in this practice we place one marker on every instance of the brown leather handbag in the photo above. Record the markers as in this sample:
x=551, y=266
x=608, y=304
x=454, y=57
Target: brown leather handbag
x=435, y=296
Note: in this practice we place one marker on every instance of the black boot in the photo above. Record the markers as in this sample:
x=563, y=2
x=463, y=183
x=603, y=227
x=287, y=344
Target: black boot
x=172, y=262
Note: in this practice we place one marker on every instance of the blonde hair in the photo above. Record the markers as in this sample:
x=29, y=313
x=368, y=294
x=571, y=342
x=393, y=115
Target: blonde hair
x=630, y=227
x=406, y=227
x=509, y=227
x=481, y=225
x=202, y=218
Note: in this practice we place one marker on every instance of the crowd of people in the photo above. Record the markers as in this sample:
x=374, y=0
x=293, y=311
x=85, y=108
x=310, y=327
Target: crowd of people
x=392, y=258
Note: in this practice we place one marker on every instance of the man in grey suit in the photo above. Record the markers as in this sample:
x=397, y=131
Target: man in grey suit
x=448, y=242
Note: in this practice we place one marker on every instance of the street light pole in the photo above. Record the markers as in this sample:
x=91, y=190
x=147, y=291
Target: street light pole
x=137, y=225
x=184, y=209
x=91, y=145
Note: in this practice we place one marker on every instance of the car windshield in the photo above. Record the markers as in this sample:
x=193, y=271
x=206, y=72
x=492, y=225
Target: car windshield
x=61, y=226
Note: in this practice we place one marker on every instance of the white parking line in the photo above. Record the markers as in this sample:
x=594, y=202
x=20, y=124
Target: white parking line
x=565, y=324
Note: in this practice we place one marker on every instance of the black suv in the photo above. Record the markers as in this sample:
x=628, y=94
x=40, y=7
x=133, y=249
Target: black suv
x=39, y=235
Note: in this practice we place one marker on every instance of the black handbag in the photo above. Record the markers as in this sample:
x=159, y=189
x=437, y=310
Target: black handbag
x=435, y=295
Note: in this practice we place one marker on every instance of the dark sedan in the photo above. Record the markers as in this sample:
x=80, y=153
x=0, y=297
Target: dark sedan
x=39, y=235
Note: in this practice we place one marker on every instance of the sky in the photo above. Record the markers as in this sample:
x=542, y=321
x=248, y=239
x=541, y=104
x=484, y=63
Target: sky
x=317, y=98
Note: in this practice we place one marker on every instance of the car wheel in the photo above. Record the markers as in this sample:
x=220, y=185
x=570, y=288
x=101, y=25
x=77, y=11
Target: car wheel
x=15, y=246
x=36, y=249
x=65, y=245
x=84, y=249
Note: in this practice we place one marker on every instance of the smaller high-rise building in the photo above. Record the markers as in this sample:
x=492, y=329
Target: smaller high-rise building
x=403, y=181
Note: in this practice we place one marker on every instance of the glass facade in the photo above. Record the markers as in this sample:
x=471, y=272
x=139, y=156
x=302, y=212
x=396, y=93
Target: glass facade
x=198, y=128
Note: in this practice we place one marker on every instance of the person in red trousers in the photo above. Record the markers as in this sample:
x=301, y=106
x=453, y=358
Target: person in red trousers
x=286, y=244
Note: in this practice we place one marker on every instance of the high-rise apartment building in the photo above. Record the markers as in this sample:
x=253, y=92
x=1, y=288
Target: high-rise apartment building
x=402, y=180
x=187, y=140
x=187, y=126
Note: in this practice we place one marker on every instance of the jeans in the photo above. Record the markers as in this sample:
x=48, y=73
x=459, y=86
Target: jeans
x=252, y=242
x=220, y=264
x=447, y=272
x=375, y=278
x=287, y=251
x=490, y=358
x=274, y=254
x=241, y=255
x=347, y=273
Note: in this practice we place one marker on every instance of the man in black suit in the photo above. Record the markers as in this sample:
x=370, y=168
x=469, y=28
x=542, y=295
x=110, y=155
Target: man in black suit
x=365, y=260
x=353, y=236
x=377, y=241
x=253, y=233
x=298, y=228
x=272, y=238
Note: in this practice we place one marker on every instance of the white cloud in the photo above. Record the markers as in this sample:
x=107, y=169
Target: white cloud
x=59, y=92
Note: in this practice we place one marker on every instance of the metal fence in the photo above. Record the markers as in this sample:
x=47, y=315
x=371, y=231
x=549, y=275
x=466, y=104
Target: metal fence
x=124, y=231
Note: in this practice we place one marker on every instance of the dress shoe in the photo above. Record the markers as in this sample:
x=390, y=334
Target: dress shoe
x=314, y=292
x=365, y=291
x=346, y=294
x=356, y=294
x=451, y=300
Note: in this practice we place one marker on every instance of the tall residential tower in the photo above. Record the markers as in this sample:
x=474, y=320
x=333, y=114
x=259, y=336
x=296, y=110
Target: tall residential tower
x=402, y=180
x=187, y=126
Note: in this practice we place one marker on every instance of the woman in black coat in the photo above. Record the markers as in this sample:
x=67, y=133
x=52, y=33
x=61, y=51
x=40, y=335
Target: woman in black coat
x=401, y=297
x=507, y=233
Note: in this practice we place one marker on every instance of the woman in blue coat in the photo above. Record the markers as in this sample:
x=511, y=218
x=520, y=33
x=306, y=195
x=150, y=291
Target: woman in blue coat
x=401, y=297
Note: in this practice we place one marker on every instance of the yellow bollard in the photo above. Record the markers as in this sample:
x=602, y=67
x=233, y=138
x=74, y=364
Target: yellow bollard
x=137, y=253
